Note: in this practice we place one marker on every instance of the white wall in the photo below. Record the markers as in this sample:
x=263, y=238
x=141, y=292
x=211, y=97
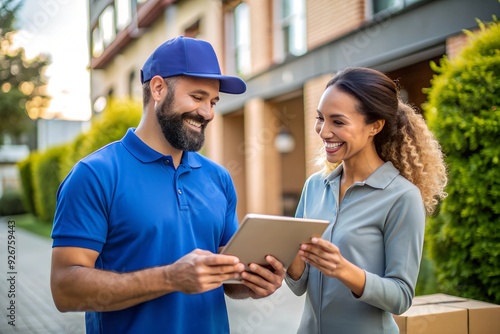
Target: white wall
x=56, y=131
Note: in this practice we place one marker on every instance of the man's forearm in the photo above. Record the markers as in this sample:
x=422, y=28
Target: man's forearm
x=88, y=289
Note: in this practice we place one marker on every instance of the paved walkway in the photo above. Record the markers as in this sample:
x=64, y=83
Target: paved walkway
x=35, y=312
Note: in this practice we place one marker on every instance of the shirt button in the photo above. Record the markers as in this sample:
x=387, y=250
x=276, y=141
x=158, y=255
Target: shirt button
x=167, y=162
x=179, y=191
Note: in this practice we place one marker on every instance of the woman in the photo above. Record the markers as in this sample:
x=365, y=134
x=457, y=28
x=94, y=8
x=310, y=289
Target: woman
x=389, y=172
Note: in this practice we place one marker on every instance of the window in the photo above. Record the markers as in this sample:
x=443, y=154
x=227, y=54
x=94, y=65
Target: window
x=97, y=43
x=390, y=5
x=291, y=28
x=242, y=39
x=237, y=34
x=123, y=13
x=131, y=83
x=134, y=86
x=107, y=25
x=294, y=26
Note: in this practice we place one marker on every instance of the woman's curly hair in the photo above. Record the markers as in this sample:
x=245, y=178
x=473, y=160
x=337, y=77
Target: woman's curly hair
x=405, y=139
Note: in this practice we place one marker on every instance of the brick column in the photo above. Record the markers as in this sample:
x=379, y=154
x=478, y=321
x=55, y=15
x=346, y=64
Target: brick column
x=312, y=93
x=213, y=147
x=262, y=161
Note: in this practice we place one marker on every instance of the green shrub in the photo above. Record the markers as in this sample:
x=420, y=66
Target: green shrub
x=426, y=283
x=72, y=155
x=110, y=126
x=43, y=172
x=46, y=180
x=25, y=174
x=11, y=203
x=463, y=110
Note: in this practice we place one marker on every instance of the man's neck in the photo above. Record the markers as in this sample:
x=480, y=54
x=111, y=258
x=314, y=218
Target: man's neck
x=154, y=138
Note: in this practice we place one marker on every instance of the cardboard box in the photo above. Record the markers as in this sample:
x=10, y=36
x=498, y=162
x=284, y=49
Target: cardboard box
x=432, y=319
x=484, y=318
x=436, y=314
x=437, y=298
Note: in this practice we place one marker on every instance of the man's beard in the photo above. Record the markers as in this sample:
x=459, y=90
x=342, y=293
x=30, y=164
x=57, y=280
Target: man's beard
x=173, y=127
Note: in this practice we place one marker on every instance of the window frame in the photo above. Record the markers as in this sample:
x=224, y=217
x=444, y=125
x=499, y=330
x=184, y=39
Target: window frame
x=292, y=24
x=397, y=6
x=108, y=28
x=122, y=23
x=237, y=54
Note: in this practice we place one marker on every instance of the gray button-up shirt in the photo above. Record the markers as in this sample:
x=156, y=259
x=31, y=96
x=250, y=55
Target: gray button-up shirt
x=379, y=227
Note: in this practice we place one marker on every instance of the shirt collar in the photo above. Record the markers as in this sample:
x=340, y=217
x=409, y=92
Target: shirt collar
x=380, y=178
x=146, y=154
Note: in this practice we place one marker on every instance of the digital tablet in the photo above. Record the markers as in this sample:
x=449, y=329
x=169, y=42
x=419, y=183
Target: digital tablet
x=260, y=235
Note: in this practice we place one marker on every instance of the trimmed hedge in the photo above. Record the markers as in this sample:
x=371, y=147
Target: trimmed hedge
x=110, y=126
x=42, y=172
x=25, y=174
x=463, y=110
x=11, y=203
x=46, y=180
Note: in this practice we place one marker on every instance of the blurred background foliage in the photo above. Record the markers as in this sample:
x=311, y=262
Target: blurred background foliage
x=42, y=172
x=23, y=82
x=463, y=111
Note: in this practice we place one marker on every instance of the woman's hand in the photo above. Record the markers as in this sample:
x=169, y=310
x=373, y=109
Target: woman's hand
x=322, y=255
x=326, y=257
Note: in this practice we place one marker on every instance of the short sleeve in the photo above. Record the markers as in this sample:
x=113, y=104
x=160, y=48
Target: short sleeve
x=81, y=210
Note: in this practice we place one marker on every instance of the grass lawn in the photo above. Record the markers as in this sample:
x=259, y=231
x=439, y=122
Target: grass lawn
x=33, y=224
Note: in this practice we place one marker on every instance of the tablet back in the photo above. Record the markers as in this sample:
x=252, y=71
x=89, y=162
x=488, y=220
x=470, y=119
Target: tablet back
x=280, y=236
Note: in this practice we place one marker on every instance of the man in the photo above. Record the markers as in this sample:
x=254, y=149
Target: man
x=139, y=223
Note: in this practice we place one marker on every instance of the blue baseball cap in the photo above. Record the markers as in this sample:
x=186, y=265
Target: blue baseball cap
x=191, y=57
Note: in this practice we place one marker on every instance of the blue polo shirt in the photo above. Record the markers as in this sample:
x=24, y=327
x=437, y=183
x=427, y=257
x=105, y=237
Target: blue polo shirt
x=129, y=203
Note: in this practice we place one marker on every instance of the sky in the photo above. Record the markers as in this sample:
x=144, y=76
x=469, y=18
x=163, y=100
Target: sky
x=59, y=28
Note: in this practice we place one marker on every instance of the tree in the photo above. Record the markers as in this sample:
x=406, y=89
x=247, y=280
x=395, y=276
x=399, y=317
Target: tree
x=22, y=80
x=463, y=110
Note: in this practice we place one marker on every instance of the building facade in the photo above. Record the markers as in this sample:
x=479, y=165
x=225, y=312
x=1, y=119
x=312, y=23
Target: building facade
x=286, y=51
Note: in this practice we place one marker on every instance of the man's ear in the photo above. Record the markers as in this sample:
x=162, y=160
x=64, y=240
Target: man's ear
x=158, y=88
x=377, y=126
